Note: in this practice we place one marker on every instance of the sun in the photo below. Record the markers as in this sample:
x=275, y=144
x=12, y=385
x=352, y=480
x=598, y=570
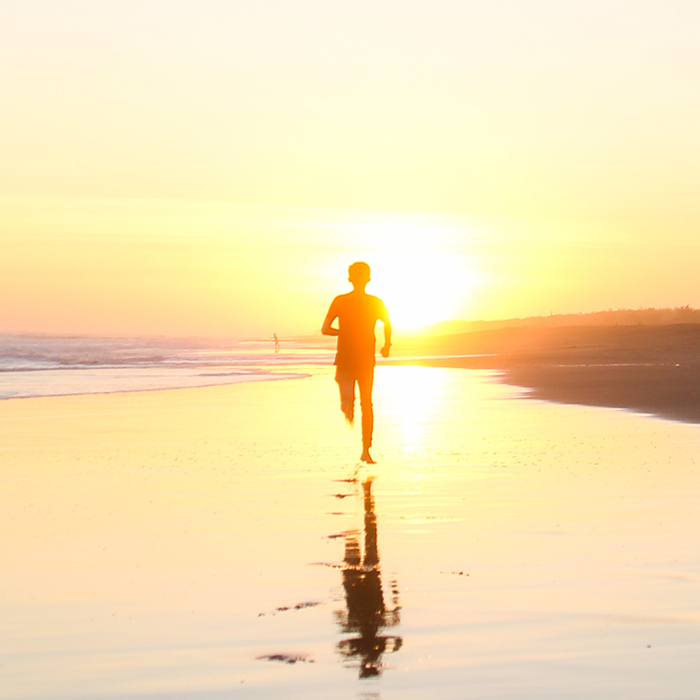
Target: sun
x=423, y=277
x=421, y=287
x=421, y=266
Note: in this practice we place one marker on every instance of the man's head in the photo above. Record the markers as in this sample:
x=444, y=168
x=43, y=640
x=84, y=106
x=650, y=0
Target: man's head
x=358, y=274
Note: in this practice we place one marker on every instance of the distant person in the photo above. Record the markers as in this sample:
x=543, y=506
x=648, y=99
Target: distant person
x=357, y=313
x=276, y=341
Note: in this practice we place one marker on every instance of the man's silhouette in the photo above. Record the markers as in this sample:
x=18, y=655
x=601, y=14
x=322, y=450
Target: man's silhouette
x=357, y=314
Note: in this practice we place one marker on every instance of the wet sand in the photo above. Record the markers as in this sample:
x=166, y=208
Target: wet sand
x=651, y=369
x=224, y=542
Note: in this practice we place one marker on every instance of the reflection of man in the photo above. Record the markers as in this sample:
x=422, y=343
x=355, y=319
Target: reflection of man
x=367, y=614
x=357, y=314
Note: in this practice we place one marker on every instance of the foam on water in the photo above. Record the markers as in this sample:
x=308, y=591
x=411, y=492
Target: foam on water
x=32, y=366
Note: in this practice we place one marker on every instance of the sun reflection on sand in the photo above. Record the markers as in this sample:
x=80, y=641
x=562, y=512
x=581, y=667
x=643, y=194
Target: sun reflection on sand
x=410, y=398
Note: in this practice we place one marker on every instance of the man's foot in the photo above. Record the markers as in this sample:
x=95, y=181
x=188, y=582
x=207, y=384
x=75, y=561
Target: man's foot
x=367, y=457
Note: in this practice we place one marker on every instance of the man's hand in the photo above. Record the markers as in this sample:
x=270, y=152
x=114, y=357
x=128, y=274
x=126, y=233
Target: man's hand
x=385, y=350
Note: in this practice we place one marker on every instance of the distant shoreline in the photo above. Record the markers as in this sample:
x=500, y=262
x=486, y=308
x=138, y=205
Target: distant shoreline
x=650, y=369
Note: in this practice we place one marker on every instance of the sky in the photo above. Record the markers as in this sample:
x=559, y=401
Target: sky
x=172, y=167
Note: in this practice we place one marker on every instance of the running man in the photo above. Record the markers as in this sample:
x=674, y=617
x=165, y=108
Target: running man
x=357, y=314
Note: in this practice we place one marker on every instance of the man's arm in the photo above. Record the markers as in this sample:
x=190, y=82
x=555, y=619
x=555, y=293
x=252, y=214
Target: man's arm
x=387, y=335
x=327, y=327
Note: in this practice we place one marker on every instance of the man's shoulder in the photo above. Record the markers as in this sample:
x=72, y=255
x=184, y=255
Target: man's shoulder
x=366, y=299
x=377, y=304
x=353, y=302
x=340, y=300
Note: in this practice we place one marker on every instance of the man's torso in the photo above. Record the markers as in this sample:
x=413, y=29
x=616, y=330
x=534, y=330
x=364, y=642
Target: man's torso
x=357, y=318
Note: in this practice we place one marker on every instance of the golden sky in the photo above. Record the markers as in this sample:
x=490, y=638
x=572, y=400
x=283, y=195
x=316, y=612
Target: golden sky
x=212, y=167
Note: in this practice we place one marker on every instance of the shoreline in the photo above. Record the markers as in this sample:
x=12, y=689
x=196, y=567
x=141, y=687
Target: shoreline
x=647, y=369
x=178, y=383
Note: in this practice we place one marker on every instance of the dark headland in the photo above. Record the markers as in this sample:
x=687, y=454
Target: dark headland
x=648, y=368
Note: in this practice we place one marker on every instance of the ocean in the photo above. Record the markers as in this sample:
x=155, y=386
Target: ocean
x=42, y=365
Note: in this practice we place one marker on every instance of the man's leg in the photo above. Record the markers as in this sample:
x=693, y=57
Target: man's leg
x=365, y=382
x=347, y=394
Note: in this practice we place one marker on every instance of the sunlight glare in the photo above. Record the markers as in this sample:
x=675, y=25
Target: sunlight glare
x=421, y=267
x=412, y=395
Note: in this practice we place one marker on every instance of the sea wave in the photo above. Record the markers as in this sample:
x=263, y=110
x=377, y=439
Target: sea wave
x=33, y=366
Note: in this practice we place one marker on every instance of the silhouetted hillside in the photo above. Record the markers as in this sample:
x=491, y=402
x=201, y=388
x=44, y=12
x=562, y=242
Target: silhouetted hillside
x=611, y=317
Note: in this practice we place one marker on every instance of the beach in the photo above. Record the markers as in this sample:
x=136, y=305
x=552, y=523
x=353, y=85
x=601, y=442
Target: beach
x=205, y=205
x=225, y=541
